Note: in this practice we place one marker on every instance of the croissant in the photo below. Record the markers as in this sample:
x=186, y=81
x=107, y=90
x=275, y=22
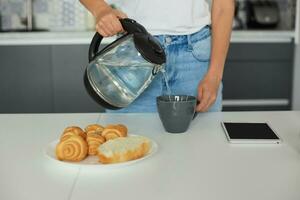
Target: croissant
x=73, y=148
x=94, y=140
x=71, y=131
x=114, y=131
x=94, y=127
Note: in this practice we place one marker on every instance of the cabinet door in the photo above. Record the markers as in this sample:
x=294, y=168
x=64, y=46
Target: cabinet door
x=258, y=77
x=257, y=80
x=25, y=79
x=69, y=63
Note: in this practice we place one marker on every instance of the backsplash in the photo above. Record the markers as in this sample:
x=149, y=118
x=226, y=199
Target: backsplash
x=12, y=12
x=54, y=15
x=70, y=15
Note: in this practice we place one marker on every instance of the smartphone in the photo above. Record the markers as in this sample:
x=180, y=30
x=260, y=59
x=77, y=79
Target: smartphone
x=237, y=132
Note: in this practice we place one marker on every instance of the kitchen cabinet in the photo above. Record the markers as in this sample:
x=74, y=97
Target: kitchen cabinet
x=44, y=79
x=68, y=65
x=259, y=71
x=25, y=79
x=49, y=78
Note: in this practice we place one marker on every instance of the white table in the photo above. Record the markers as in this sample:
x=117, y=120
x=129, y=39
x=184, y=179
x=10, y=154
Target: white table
x=198, y=164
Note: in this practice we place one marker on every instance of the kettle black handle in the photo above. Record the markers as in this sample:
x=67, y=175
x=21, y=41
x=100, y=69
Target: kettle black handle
x=129, y=25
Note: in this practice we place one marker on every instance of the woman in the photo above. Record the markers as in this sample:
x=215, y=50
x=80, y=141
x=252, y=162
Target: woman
x=195, y=41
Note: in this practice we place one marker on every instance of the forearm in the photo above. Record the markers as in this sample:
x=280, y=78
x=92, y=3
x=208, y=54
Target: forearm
x=222, y=15
x=94, y=6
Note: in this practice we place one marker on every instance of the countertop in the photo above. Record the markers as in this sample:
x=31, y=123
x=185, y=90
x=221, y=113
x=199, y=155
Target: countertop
x=72, y=38
x=198, y=164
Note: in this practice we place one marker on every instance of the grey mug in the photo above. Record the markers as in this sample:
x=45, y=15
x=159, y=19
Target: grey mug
x=176, y=112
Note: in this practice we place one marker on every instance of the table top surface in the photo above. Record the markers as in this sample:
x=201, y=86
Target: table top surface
x=198, y=164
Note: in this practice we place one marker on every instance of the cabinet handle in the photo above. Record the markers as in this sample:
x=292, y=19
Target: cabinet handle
x=255, y=102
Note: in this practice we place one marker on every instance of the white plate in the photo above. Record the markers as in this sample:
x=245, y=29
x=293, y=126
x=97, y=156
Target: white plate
x=93, y=160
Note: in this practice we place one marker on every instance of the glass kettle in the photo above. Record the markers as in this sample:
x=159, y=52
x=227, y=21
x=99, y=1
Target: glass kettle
x=121, y=71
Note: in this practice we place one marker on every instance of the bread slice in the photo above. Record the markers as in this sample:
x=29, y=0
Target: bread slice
x=123, y=149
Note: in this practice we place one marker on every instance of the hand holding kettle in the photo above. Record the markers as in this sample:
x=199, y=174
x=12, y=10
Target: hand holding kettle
x=107, y=18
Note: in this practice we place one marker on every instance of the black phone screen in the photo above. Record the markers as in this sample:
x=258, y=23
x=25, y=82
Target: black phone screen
x=249, y=131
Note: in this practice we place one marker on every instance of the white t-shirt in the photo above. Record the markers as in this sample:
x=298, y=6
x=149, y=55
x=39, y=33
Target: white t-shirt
x=172, y=17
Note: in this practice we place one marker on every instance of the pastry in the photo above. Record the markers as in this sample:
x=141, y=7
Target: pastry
x=72, y=130
x=94, y=127
x=74, y=148
x=114, y=131
x=94, y=140
x=123, y=149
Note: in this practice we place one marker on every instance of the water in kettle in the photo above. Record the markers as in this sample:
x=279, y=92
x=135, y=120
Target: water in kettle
x=123, y=83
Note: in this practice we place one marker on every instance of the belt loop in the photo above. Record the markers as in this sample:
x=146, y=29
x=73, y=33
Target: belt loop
x=189, y=42
x=168, y=40
x=162, y=40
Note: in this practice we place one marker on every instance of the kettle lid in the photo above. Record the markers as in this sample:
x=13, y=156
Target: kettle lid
x=149, y=48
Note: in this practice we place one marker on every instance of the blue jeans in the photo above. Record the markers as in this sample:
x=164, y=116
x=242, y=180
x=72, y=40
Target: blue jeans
x=188, y=58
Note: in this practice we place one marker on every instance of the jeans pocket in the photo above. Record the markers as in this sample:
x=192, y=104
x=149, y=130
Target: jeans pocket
x=201, y=49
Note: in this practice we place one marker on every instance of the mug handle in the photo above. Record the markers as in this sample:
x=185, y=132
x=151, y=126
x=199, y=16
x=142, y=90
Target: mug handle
x=196, y=113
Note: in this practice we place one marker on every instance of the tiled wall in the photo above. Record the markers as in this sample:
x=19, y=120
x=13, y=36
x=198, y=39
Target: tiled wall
x=48, y=14
x=61, y=15
x=11, y=11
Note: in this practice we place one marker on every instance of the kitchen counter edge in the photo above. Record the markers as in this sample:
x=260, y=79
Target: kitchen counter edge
x=76, y=38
